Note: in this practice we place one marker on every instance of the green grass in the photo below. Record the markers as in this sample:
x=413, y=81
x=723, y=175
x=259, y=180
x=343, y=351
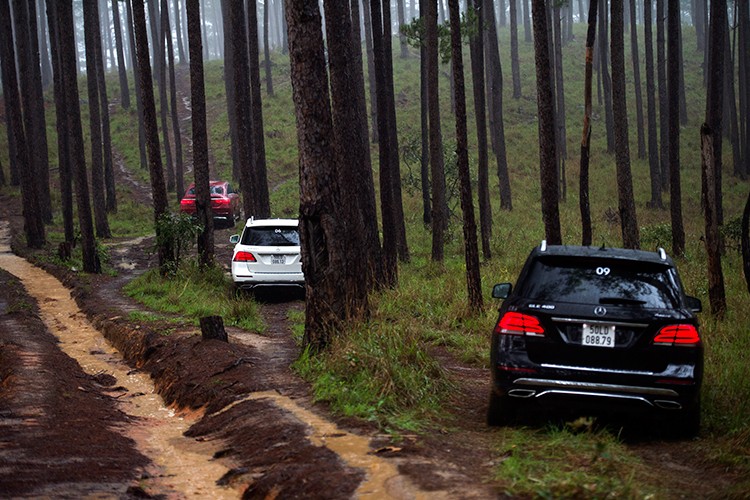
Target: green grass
x=193, y=294
x=384, y=370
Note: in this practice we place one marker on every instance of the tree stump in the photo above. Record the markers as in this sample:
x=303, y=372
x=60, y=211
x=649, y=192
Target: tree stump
x=212, y=327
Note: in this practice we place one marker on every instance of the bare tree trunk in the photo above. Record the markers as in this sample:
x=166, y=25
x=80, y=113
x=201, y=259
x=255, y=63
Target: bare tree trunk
x=514, y=64
x=321, y=234
x=586, y=233
x=178, y=32
x=730, y=104
x=371, y=75
x=179, y=173
x=138, y=97
x=267, y=51
x=483, y=188
x=562, y=135
x=44, y=56
x=121, y=69
x=637, y=81
x=107, y=163
x=606, y=79
x=626, y=200
x=161, y=68
x=715, y=96
x=653, y=146
x=675, y=202
x=471, y=251
x=261, y=197
x=547, y=140
x=200, y=135
x=401, y=36
x=69, y=70
x=526, y=21
x=229, y=89
x=158, y=189
x=743, y=54
x=716, y=293
x=661, y=70
x=497, y=129
x=424, y=127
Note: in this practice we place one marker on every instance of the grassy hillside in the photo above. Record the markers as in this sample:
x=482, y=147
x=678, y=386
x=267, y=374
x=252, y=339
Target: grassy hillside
x=383, y=370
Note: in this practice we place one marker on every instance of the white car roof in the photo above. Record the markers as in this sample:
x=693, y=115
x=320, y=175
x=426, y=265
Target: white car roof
x=251, y=222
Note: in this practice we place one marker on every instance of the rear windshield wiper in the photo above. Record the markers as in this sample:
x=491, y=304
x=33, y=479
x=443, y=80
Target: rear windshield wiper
x=621, y=300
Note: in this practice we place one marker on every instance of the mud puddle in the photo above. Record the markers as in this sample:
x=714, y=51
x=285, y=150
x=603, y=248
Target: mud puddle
x=182, y=467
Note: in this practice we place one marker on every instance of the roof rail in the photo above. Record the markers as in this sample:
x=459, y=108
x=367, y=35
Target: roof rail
x=662, y=254
x=543, y=246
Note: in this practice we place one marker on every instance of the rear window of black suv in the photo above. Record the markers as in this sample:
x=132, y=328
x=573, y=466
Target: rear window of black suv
x=592, y=281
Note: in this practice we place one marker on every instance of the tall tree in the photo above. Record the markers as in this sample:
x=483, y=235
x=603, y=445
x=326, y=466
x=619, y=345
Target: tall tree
x=716, y=293
x=366, y=198
x=661, y=78
x=107, y=162
x=562, y=134
x=526, y=21
x=349, y=152
x=68, y=72
x=267, y=49
x=471, y=250
x=137, y=86
x=167, y=30
x=743, y=54
x=388, y=214
x=494, y=72
x=439, y=206
x=653, y=146
x=424, y=105
x=673, y=83
x=200, y=135
x=605, y=76
x=369, y=45
x=637, y=81
x=401, y=36
x=63, y=150
x=477, y=77
x=121, y=69
x=547, y=140
x=261, y=197
x=161, y=75
x=229, y=89
x=91, y=32
x=44, y=56
x=626, y=200
x=320, y=233
x=158, y=189
x=715, y=96
x=178, y=32
x=514, y=63
x=34, y=166
x=585, y=207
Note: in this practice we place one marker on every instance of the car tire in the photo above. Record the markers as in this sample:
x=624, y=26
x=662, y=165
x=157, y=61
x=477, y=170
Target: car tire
x=501, y=410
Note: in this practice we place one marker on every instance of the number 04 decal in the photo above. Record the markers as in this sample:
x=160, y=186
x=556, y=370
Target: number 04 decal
x=602, y=271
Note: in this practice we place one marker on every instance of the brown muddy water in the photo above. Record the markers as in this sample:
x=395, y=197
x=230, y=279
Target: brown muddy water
x=183, y=467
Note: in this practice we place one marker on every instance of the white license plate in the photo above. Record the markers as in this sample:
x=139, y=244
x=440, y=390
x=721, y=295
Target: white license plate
x=598, y=335
x=278, y=259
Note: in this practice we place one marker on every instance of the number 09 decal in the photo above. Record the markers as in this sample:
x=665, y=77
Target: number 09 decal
x=602, y=271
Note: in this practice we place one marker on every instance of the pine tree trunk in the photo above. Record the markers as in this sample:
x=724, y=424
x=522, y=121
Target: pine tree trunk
x=161, y=67
x=626, y=200
x=547, y=140
x=179, y=174
x=483, y=184
x=606, y=78
x=424, y=127
x=562, y=135
x=715, y=96
x=653, y=146
x=673, y=75
x=634, y=50
x=661, y=75
x=200, y=135
x=137, y=86
x=716, y=293
x=584, y=204
x=471, y=251
x=178, y=32
x=371, y=72
x=121, y=69
x=267, y=51
x=514, y=64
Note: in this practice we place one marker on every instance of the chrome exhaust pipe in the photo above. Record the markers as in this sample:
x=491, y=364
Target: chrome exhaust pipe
x=521, y=393
x=667, y=405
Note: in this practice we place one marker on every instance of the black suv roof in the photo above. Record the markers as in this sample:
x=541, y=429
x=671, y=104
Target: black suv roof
x=602, y=252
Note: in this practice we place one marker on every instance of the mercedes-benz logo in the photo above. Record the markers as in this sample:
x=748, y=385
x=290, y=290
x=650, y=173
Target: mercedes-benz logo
x=600, y=310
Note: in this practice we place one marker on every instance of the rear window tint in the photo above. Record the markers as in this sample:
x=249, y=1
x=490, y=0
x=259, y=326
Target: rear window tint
x=598, y=282
x=271, y=236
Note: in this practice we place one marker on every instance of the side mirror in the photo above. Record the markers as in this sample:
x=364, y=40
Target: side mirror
x=235, y=238
x=501, y=290
x=694, y=304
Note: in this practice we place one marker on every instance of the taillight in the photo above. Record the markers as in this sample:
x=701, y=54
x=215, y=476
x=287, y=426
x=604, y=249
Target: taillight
x=515, y=323
x=220, y=201
x=677, y=335
x=244, y=257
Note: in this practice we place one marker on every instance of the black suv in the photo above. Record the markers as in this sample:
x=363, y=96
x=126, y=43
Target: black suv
x=592, y=329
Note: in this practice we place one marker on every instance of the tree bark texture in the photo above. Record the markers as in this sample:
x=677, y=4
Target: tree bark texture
x=626, y=200
x=371, y=71
x=637, y=81
x=137, y=87
x=212, y=328
x=715, y=94
x=514, y=63
x=673, y=76
x=121, y=69
x=158, y=189
x=547, y=141
x=200, y=135
x=606, y=78
x=483, y=184
x=471, y=250
x=653, y=146
x=584, y=204
x=661, y=76
x=320, y=231
x=716, y=293
x=179, y=168
x=267, y=50
x=161, y=67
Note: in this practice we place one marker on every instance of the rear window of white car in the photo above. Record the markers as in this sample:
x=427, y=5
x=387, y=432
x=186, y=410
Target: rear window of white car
x=271, y=236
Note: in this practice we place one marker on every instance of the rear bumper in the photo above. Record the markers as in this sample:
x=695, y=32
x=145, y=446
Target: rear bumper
x=255, y=280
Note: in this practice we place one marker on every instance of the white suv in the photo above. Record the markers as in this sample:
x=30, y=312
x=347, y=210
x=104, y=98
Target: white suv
x=267, y=254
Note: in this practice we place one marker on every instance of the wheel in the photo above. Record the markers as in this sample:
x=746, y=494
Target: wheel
x=501, y=410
